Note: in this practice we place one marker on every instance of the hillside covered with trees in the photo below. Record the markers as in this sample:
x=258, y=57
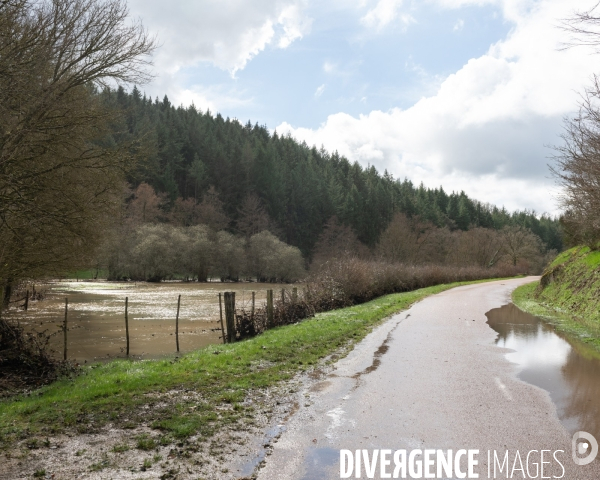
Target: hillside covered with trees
x=202, y=169
x=91, y=175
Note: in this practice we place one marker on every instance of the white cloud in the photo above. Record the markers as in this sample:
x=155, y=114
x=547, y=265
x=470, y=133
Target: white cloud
x=295, y=25
x=227, y=33
x=329, y=67
x=459, y=25
x=216, y=97
x=486, y=128
x=512, y=10
x=386, y=12
x=210, y=98
x=320, y=91
x=428, y=83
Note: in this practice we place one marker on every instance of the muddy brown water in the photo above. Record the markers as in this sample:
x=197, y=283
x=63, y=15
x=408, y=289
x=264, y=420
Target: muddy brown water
x=569, y=371
x=96, y=316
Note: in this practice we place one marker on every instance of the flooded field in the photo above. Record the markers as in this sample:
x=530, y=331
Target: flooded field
x=96, y=316
x=569, y=371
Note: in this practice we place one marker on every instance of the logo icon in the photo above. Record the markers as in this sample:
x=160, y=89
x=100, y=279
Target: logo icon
x=588, y=446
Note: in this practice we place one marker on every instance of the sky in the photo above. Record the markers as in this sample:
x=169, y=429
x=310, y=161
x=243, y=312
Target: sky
x=467, y=94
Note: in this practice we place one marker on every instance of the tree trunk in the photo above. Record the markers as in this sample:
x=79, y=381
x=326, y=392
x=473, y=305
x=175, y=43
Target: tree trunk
x=7, y=294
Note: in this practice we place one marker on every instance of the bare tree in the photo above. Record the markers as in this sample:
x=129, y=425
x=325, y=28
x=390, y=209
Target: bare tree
x=584, y=27
x=145, y=205
x=271, y=259
x=199, y=251
x=60, y=172
x=210, y=212
x=230, y=259
x=337, y=241
x=479, y=246
x=411, y=240
x=253, y=217
x=577, y=168
x=577, y=163
x=520, y=243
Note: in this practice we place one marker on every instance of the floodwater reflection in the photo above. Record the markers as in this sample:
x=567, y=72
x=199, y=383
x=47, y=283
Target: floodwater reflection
x=97, y=316
x=568, y=370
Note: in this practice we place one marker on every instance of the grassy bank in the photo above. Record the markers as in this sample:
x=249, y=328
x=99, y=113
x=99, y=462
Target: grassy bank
x=568, y=295
x=197, y=393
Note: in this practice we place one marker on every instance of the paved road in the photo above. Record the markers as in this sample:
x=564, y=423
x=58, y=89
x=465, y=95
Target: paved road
x=429, y=378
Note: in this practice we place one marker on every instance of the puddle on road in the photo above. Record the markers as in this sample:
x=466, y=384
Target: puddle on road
x=382, y=350
x=568, y=370
x=249, y=468
x=319, y=463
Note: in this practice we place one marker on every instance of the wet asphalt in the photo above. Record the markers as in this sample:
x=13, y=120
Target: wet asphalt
x=430, y=377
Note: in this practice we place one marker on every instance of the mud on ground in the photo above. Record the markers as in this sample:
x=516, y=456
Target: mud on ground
x=236, y=452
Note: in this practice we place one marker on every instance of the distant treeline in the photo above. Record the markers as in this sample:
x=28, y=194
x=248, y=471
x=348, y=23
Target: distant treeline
x=192, y=242
x=156, y=252
x=193, y=156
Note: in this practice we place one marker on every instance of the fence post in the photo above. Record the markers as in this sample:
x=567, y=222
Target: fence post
x=65, y=329
x=27, y=300
x=294, y=295
x=177, y=324
x=252, y=310
x=230, y=316
x=127, y=324
x=270, y=309
x=282, y=296
x=233, y=315
x=221, y=315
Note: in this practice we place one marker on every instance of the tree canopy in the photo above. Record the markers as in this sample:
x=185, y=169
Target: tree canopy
x=263, y=178
x=61, y=158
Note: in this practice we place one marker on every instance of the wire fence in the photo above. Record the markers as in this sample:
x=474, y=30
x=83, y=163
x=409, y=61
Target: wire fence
x=238, y=320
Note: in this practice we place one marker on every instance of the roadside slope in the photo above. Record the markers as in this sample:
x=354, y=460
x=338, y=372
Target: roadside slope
x=568, y=294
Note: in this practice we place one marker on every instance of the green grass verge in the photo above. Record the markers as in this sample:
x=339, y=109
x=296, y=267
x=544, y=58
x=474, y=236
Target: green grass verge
x=571, y=285
x=568, y=295
x=583, y=330
x=197, y=393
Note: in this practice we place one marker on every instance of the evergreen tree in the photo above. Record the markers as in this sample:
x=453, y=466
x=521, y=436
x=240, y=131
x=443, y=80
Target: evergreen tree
x=299, y=187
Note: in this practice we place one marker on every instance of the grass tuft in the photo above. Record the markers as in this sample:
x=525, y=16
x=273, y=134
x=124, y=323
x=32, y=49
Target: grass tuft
x=145, y=442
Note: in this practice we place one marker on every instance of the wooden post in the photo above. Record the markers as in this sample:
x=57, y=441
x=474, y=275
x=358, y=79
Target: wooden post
x=65, y=328
x=270, y=309
x=127, y=324
x=282, y=296
x=225, y=313
x=27, y=300
x=233, y=315
x=231, y=320
x=221, y=315
x=230, y=316
x=252, y=310
x=177, y=323
x=294, y=295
